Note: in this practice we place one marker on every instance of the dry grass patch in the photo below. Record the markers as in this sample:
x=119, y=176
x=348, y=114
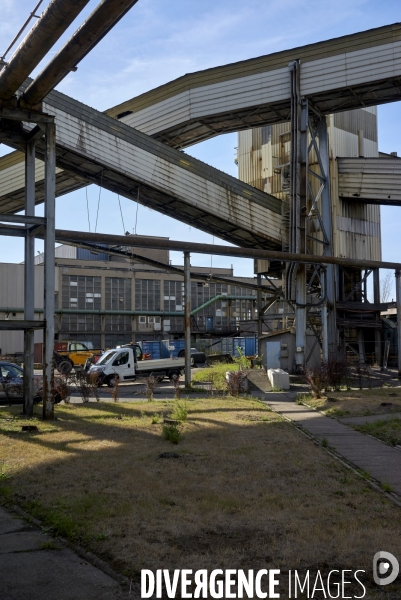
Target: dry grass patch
x=388, y=431
x=242, y=489
x=353, y=403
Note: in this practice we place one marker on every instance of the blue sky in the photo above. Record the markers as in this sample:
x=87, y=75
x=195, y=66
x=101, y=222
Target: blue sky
x=158, y=41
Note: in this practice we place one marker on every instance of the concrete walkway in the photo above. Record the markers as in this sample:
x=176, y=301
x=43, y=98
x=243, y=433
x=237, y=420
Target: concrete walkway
x=35, y=566
x=382, y=462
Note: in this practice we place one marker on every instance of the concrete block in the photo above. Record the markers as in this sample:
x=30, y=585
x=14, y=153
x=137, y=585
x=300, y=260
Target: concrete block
x=279, y=379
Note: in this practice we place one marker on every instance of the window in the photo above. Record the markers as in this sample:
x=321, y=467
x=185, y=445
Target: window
x=118, y=323
x=81, y=292
x=118, y=293
x=79, y=322
x=78, y=347
x=285, y=147
x=147, y=294
x=173, y=296
x=142, y=320
x=154, y=320
x=10, y=371
x=122, y=359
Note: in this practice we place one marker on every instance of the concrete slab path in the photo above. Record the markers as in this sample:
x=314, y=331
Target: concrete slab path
x=34, y=566
x=382, y=462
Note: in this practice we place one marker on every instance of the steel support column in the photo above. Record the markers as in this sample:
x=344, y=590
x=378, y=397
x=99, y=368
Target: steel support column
x=29, y=280
x=49, y=264
x=187, y=317
x=361, y=347
x=300, y=245
x=398, y=301
x=324, y=317
x=330, y=285
x=259, y=305
x=376, y=300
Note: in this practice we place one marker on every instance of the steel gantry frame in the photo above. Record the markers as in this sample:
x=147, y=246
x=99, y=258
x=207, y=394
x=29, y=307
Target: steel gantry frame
x=310, y=224
x=33, y=226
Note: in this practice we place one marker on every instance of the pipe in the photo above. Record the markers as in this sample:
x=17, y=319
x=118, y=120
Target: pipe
x=55, y=19
x=49, y=272
x=361, y=143
x=187, y=324
x=96, y=26
x=165, y=244
x=221, y=297
x=29, y=280
x=398, y=300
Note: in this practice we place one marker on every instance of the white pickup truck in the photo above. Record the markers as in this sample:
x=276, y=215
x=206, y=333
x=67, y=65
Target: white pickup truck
x=126, y=364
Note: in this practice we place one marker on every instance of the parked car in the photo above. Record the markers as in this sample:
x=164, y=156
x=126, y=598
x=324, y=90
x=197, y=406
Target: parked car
x=12, y=384
x=199, y=357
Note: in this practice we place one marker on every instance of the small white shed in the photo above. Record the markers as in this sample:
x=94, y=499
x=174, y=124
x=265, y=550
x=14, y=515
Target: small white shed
x=277, y=349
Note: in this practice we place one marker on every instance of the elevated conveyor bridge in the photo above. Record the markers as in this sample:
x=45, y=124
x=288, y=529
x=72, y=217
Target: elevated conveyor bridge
x=362, y=69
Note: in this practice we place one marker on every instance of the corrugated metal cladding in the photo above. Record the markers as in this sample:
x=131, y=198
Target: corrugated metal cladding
x=260, y=152
x=11, y=296
x=355, y=120
x=204, y=192
x=264, y=153
x=86, y=254
x=345, y=64
x=371, y=179
x=62, y=251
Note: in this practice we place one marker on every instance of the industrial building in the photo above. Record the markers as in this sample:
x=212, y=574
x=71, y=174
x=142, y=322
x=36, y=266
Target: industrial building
x=306, y=209
x=106, y=300
x=264, y=161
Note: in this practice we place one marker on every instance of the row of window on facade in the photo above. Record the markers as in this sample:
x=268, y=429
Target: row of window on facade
x=85, y=292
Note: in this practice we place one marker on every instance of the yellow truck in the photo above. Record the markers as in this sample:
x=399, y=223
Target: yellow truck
x=69, y=354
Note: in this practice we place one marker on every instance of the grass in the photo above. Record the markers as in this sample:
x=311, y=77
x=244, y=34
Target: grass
x=215, y=375
x=388, y=431
x=171, y=434
x=180, y=411
x=352, y=403
x=243, y=489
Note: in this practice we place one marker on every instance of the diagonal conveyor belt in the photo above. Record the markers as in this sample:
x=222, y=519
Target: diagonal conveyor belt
x=99, y=149
x=356, y=70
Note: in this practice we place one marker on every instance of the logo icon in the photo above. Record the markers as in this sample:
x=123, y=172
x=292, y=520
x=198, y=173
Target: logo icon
x=385, y=568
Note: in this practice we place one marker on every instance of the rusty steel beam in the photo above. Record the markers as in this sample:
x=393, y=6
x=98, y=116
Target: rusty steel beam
x=55, y=19
x=165, y=244
x=96, y=26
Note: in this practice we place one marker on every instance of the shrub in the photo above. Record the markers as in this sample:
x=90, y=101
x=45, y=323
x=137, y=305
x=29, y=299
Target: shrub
x=241, y=360
x=363, y=372
x=62, y=385
x=151, y=383
x=235, y=382
x=337, y=373
x=115, y=391
x=94, y=381
x=83, y=385
x=177, y=388
x=171, y=433
x=316, y=376
x=180, y=412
